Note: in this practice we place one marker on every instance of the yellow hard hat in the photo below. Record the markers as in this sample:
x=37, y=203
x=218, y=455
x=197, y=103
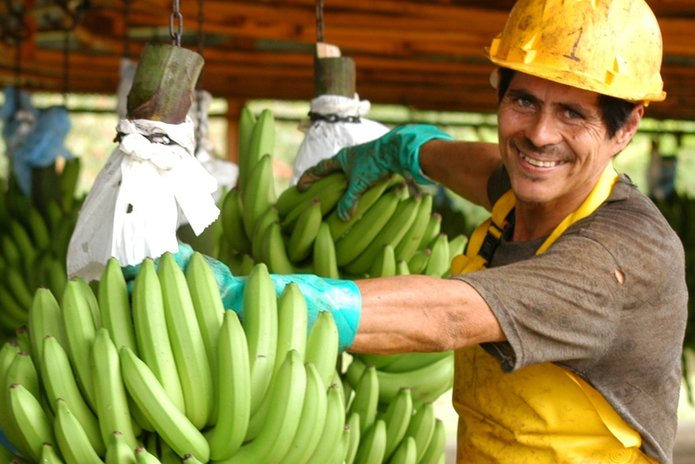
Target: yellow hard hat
x=612, y=47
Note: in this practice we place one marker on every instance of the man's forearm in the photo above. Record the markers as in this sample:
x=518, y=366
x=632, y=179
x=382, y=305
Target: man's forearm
x=421, y=313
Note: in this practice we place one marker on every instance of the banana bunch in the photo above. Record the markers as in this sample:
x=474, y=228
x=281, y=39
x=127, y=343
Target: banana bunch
x=393, y=231
x=155, y=370
x=34, y=236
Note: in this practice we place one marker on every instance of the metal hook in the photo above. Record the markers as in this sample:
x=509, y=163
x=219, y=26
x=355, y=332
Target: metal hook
x=175, y=20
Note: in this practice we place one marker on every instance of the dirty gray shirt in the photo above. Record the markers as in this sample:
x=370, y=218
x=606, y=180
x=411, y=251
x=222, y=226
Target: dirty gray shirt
x=566, y=306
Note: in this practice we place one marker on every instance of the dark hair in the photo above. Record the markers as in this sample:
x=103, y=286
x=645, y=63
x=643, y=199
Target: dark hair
x=615, y=112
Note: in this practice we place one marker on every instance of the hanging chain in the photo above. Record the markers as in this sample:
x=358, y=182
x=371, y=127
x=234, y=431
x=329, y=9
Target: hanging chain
x=175, y=22
x=199, y=85
x=319, y=20
x=17, y=31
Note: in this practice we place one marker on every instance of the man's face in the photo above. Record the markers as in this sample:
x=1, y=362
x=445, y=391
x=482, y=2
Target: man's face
x=553, y=141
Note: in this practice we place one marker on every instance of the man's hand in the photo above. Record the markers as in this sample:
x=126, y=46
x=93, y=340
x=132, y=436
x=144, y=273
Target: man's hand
x=366, y=164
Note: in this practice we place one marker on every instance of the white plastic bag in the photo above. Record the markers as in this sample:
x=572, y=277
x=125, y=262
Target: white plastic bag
x=337, y=122
x=132, y=211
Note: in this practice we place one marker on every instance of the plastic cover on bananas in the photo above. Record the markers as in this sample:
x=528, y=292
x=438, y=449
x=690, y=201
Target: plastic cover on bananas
x=34, y=137
x=336, y=122
x=134, y=207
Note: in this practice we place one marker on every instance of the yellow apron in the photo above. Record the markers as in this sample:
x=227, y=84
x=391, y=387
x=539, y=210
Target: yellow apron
x=541, y=413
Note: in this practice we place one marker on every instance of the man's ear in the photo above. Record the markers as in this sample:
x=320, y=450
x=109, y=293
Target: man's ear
x=625, y=134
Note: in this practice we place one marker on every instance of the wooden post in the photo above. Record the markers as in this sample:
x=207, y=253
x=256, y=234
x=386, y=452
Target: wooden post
x=164, y=83
x=333, y=74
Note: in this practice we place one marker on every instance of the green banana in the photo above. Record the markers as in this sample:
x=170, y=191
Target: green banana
x=91, y=298
x=391, y=234
x=371, y=449
x=11, y=251
x=190, y=459
x=397, y=418
x=59, y=383
x=22, y=338
x=30, y=420
x=264, y=221
x=22, y=239
x=261, y=329
x=22, y=370
x=323, y=254
x=427, y=383
x=457, y=246
x=190, y=356
x=418, y=262
x=404, y=362
x=353, y=444
x=261, y=143
x=286, y=400
x=312, y=421
x=49, y=455
x=118, y=450
x=365, y=401
x=328, y=189
x=18, y=286
x=322, y=346
x=259, y=193
x=384, y=264
x=247, y=122
x=402, y=267
x=169, y=422
x=231, y=216
x=207, y=302
x=38, y=228
x=111, y=399
x=292, y=323
x=432, y=231
x=45, y=318
x=67, y=182
x=80, y=332
x=340, y=451
x=304, y=232
x=73, y=442
x=364, y=231
x=143, y=456
x=332, y=429
x=410, y=241
x=14, y=314
x=233, y=392
x=421, y=428
x=114, y=305
x=55, y=275
x=275, y=251
x=339, y=227
x=437, y=445
x=439, y=263
x=8, y=352
x=406, y=453
x=151, y=332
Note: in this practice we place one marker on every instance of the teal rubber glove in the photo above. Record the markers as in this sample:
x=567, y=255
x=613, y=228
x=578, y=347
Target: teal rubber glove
x=397, y=151
x=341, y=297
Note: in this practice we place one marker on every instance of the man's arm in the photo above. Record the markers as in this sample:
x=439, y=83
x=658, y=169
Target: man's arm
x=462, y=167
x=422, y=313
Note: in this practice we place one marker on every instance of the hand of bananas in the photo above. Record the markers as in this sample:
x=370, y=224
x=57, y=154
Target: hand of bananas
x=161, y=372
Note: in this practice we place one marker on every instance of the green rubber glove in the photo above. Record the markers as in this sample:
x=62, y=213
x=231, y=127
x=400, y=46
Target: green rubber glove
x=341, y=297
x=397, y=151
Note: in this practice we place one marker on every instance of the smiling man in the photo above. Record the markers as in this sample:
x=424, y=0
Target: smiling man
x=567, y=311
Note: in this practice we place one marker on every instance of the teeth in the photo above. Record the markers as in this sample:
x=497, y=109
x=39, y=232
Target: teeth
x=539, y=163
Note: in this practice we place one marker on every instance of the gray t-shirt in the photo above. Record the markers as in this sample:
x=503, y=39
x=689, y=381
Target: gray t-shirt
x=568, y=306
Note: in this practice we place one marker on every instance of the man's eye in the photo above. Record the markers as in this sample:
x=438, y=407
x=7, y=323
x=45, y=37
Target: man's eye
x=524, y=102
x=572, y=114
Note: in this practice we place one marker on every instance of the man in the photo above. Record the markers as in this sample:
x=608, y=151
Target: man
x=568, y=311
